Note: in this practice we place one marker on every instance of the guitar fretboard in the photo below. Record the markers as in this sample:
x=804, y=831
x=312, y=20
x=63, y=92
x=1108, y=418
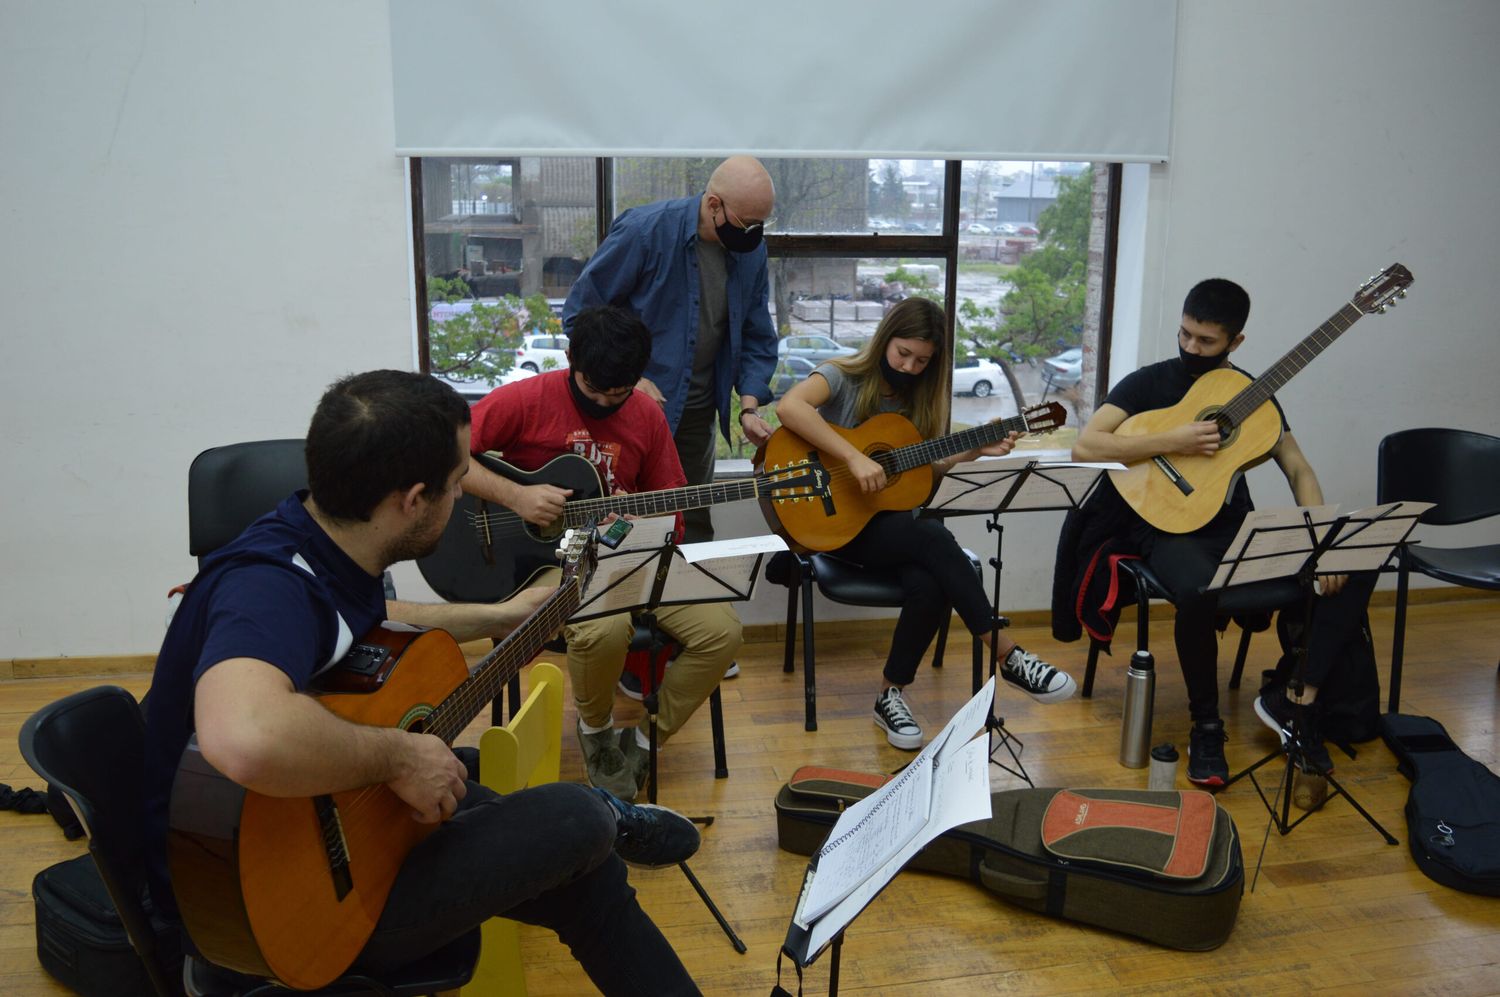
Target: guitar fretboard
x=474, y=693
x=1240, y=407
x=581, y=511
x=901, y=459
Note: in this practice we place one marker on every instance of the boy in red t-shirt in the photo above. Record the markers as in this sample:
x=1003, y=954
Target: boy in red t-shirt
x=592, y=409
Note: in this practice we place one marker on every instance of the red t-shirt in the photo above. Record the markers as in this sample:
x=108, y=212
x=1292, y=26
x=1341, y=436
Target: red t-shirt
x=532, y=421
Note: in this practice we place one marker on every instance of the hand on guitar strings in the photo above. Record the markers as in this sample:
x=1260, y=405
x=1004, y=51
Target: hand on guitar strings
x=431, y=779
x=540, y=505
x=869, y=474
x=1194, y=438
x=1000, y=447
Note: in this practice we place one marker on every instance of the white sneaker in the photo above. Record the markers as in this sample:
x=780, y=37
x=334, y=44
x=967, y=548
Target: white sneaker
x=1035, y=677
x=732, y=670
x=894, y=717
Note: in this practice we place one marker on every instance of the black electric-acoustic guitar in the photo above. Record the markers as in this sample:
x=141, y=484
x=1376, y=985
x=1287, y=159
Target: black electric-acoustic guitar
x=487, y=552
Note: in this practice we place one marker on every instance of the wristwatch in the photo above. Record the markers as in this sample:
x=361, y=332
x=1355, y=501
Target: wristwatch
x=749, y=411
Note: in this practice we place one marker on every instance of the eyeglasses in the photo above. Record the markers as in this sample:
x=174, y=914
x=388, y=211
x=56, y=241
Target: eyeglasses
x=613, y=394
x=731, y=219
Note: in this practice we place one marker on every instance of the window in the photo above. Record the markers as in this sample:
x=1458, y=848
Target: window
x=1004, y=246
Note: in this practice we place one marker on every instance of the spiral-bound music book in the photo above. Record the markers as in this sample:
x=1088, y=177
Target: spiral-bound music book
x=947, y=784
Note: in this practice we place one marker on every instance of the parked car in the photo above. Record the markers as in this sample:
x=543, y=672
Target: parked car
x=978, y=228
x=814, y=348
x=1026, y=228
x=1065, y=369
x=536, y=350
x=473, y=389
x=1007, y=228
x=977, y=377
x=790, y=370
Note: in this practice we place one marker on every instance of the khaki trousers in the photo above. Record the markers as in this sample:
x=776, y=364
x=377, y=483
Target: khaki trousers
x=710, y=635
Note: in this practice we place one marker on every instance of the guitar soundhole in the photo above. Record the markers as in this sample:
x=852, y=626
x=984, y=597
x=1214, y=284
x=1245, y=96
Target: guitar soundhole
x=1228, y=432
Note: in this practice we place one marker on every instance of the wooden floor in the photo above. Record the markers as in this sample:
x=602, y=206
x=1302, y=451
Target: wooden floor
x=1336, y=910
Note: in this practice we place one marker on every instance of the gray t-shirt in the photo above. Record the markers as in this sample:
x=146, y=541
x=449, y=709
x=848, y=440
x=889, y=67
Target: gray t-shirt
x=713, y=323
x=843, y=396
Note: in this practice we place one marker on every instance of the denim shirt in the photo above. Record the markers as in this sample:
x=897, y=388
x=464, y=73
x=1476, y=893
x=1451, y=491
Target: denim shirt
x=649, y=264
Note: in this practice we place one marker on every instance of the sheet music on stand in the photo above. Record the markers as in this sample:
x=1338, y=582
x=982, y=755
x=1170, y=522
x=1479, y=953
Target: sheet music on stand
x=947, y=784
x=720, y=571
x=1017, y=482
x=1276, y=543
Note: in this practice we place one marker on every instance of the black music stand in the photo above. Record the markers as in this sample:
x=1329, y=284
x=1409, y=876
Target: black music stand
x=876, y=837
x=1304, y=543
x=650, y=571
x=992, y=486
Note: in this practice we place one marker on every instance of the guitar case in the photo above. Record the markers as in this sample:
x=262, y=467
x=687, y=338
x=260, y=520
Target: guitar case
x=1453, y=809
x=1162, y=866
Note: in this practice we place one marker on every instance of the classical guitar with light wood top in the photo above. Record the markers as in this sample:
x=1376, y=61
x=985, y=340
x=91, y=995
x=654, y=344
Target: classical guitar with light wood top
x=1178, y=493
x=292, y=887
x=829, y=521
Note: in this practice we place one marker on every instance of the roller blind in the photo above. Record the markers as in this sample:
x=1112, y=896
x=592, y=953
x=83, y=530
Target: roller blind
x=1082, y=80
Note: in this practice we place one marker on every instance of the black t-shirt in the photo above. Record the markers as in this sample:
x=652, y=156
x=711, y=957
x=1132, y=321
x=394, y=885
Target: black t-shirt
x=1162, y=385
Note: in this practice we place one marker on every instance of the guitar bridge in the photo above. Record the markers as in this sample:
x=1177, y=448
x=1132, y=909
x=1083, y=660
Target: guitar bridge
x=1173, y=475
x=335, y=845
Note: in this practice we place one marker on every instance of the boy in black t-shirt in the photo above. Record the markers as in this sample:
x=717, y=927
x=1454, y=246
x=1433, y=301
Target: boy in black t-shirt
x=1213, y=317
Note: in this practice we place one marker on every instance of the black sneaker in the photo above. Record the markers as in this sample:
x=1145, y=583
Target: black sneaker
x=1206, y=764
x=894, y=717
x=649, y=836
x=1035, y=677
x=1276, y=711
x=637, y=758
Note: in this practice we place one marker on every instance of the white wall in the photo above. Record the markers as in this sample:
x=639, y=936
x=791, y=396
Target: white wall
x=204, y=225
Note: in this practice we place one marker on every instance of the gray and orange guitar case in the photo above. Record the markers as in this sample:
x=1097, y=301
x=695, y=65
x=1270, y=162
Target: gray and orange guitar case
x=1162, y=866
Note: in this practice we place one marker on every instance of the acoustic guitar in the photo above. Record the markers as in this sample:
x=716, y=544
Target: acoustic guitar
x=291, y=887
x=487, y=552
x=831, y=519
x=1178, y=493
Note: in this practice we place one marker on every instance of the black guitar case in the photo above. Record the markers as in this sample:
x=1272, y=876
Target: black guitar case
x=1162, y=866
x=1453, y=810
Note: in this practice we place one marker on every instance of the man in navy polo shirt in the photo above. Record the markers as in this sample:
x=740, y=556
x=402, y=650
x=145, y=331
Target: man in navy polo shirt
x=385, y=453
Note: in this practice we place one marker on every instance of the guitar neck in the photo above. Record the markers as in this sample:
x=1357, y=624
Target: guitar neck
x=1262, y=388
x=477, y=691
x=577, y=513
x=905, y=458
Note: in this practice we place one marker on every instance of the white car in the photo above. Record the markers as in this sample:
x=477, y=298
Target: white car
x=978, y=228
x=473, y=389
x=977, y=377
x=536, y=351
x=1065, y=369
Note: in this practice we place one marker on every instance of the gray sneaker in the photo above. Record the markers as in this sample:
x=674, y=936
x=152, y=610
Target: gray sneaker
x=603, y=763
x=637, y=762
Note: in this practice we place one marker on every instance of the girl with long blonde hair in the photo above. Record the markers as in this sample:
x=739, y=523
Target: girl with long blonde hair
x=904, y=368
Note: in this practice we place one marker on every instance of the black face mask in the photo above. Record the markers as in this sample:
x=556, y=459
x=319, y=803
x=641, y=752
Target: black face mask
x=587, y=405
x=898, y=379
x=734, y=238
x=1198, y=365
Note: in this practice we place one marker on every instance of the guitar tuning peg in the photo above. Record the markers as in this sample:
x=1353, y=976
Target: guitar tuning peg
x=1380, y=310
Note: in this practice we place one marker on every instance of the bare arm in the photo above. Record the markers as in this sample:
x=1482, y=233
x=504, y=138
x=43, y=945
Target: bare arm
x=1303, y=481
x=798, y=411
x=1100, y=441
x=254, y=727
x=539, y=504
x=470, y=620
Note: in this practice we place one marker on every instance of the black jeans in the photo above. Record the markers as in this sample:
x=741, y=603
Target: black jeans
x=544, y=856
x=936, y=577
x=1185, y=563
x=697, y=440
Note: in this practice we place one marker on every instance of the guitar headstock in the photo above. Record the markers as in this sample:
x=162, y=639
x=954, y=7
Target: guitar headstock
x=1382, y=290
x=1045, y=418
x=579, y=553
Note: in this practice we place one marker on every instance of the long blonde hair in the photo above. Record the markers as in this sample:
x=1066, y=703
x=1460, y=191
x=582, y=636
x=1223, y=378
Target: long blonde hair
x=927, y=403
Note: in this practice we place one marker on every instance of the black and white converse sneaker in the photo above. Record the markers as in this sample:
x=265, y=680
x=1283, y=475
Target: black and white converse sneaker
x=1033, y=676
x=894, y=717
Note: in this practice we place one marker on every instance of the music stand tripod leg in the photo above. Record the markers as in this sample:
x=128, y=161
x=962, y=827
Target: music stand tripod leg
x=994, y=723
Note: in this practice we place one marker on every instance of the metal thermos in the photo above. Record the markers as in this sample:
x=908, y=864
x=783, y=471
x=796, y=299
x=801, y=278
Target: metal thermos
x=1163, y=768
x=1135, y=723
